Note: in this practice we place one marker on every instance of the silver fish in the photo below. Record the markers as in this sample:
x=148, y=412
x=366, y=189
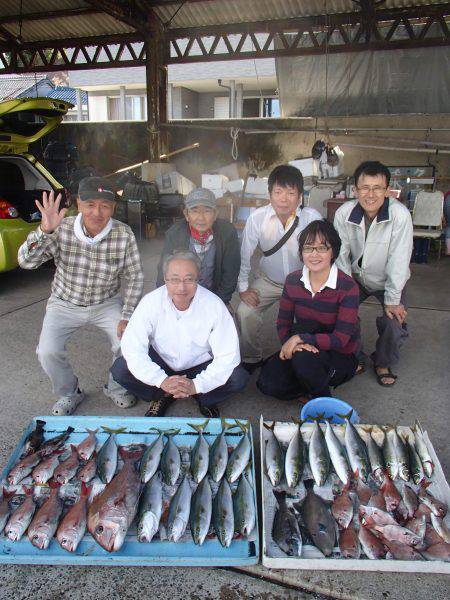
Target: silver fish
x=422, y=449
x=244, y=507
x=285, y=529
x=113, y=510
x=73, y=525
x=415, y=464
x=199, y=453
x=337, y=454
x=87, y=446
x=356, y=449
x=150, y=509
x=4, y=508
x=201, y=511
x=318, y=521
x=88, y=471
x=45, y=522
x=151, y=458
x=399, y=454
x=21, y=518
x=45, y=469
x=240, y=456
x=67, y=468
x=375, y=455
x=319, y=458
x=107, y=456
x=218, y=453
x=295, y=460
x=179, y=510
x=436, y=506
x=170, y=460
x=274, y=459
x=223, y=514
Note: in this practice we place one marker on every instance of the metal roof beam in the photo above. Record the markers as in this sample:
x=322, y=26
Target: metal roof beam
x=132, y=13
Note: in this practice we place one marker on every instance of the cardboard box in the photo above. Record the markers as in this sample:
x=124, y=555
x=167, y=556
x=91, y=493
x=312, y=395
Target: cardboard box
x=257, y=186
x=211, y=182
x=237, y=185
x=307, y=166
x=174, y=183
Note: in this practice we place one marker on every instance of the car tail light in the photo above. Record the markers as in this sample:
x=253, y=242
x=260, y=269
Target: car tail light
x=7, y=210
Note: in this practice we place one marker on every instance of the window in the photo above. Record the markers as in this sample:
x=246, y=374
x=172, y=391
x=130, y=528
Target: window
x=135, y=108
x=261, y=106
x=271, y=107
x=221, y=107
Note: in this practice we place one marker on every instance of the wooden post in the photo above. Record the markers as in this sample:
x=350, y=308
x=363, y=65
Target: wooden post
x=156, y=82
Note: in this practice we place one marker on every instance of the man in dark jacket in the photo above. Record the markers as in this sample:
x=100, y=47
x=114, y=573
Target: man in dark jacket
x=213, y=240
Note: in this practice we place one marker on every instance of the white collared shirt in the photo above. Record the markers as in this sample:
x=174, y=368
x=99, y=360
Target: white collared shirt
x=265, y=229
x=331, y=282
x=182, y=339
x=79, y=232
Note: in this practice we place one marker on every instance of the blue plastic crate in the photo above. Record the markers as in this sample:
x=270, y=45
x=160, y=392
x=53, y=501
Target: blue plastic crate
x=133, y=553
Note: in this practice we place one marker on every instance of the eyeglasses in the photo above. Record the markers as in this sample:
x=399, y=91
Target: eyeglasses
x=322, y=249
x=178, y=281
x=376, y=189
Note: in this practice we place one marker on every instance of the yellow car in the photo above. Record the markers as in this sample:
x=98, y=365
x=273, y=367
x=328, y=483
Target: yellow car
x=22, y=178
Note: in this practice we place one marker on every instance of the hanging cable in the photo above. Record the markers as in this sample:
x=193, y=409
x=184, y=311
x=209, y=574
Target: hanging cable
x=234, y=132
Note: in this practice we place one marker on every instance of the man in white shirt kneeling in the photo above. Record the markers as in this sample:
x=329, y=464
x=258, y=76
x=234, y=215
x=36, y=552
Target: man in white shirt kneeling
x=181, y=341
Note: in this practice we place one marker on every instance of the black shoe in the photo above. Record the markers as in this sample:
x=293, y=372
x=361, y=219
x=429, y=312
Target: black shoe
x=211, y=412
x=251, y=367
x=158, y=407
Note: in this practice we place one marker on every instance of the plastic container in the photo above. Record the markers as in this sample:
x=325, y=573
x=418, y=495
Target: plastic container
x=330, y=407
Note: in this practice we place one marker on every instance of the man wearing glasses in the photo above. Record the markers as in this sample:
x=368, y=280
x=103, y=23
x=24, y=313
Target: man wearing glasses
x=377, y=240
x=181, y=341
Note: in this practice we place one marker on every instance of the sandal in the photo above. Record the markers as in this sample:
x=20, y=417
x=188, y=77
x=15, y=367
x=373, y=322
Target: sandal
x=381, y=376
x=360, y=368
x=66, y=405
x=125, y=400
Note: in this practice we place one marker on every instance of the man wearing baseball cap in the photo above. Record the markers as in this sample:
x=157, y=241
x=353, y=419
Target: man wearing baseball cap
x=93, y=255
x=213, y=240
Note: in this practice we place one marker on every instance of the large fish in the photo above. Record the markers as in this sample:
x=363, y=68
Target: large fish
x=112, y=511
x=170, y=460
x=199, y=453
x=295, y=459
x=45, y=469
x=87, y=446
x=318, y=520
x=67, y=468
x=88, y=471
x=422, y=449
x=4, y=508
x=45, y=522
x=349, y=545
x=375, y=455
x=201, y=511
x=342, y=508
x=319, y=458
x=436, y=506
x=397, y=533
x=179, y=511
x=107, y=456
x=415, y=464
x=240, y=456
x=372, y=547
x=218, y=453
x=23, y=468
x=244, y=507
x=337, y=454
x=49, y=446
x=223, y=514
x=395, y=455
x=73, y=526
x=285, y=529
x=356, y=449
x=152, y=457
x=273, y=456
x=21, y=518
x=150, y=509
x=34, y=440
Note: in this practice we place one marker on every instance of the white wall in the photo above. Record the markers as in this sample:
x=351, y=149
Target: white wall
x=98, y=108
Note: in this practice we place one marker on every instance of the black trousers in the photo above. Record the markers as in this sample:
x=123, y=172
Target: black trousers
x=121, y=374
x=305, y=373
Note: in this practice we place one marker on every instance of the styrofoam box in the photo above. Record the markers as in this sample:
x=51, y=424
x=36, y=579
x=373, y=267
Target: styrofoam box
x=237, y=185
x=307, y=166
x=312, y=558
x=174, y=183
x=257, y=186
x=218, y=193
x=214, y=181
x=159, y=552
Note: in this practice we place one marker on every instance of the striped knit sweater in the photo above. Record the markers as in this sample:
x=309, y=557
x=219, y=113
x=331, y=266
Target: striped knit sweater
x=329, y=320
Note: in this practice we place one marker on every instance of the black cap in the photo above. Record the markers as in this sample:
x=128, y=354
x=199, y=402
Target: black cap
x=95, y=188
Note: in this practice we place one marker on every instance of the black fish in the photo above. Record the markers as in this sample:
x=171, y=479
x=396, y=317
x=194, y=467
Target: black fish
x=34, y=440
x=54, y=443
x=318, y=521
x=285, y=530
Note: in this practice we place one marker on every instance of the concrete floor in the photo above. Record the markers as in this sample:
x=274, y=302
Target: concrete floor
x=422, y=391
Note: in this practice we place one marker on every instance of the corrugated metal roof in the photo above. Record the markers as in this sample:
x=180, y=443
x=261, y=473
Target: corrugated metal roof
x=68, y=94
x=12, y=86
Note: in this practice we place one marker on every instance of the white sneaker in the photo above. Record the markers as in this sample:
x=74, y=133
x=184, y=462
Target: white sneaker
x=66, y=405
x=125, y=400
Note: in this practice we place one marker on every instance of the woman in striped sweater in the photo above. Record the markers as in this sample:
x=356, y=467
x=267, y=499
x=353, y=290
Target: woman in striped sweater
x=317, y=323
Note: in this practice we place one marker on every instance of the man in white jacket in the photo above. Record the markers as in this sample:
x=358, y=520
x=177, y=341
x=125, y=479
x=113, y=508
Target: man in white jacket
x=377, y=240
x=181, y=341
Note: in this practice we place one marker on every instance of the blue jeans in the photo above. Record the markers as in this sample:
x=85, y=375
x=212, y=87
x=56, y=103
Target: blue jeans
x=121, y=374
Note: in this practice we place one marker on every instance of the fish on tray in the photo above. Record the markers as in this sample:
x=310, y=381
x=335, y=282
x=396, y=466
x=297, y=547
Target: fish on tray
x=356, y=449
x=318, y=455
x=240, y=456
x=152, y=457
x=223, y=514
x=86, y=448
x=45, y=521
x=218, y=453
x=244, y=506
x=295, y=459
x=72, y=528
x=107, y=457
x=150, y=509
x=49, y=446
x=274, y=458
x=199, y=453
x=285, y=529
x=201, y=511
x=318, y=520
x=34, y=440
x=179, y=511
x=21, y=518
